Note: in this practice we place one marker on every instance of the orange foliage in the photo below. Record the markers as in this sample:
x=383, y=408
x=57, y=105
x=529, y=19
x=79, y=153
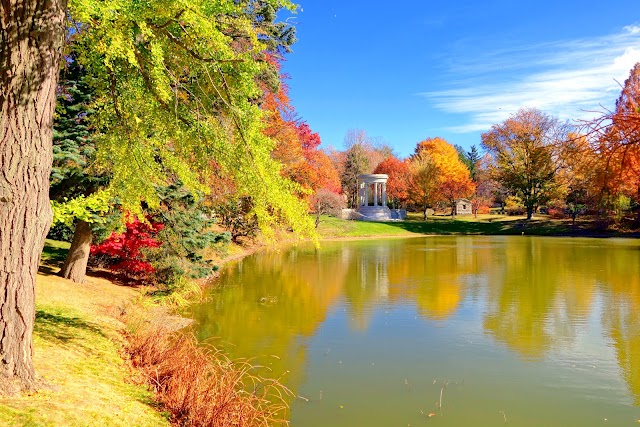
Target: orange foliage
x=324, y=174
x=296, y=144
x=399, y=177
x=453, y=180
x=483, y=209
x=615, y=137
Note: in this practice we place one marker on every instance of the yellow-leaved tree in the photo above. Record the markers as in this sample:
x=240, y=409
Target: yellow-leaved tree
x=176, y=90
x=450, y=177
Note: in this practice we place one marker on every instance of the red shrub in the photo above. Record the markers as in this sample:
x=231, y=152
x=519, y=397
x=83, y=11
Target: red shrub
x=123, y=251
x=556, y=213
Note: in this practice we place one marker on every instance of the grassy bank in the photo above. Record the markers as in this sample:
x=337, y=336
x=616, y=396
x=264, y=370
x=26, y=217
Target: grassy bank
x=107, y=357
x=77, y=353
x=331, y=228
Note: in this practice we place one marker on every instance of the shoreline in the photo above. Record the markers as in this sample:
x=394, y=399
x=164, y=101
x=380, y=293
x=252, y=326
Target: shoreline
x=256, y=247
x=80, y=336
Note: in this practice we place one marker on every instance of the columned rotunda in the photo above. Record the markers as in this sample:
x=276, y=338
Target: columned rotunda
x=372, y=197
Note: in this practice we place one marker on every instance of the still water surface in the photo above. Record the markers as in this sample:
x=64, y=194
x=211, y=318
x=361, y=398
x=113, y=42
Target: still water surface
x=534, y=331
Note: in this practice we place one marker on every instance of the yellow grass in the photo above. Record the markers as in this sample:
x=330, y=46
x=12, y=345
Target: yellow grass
x=77, y=354
x=80, y=353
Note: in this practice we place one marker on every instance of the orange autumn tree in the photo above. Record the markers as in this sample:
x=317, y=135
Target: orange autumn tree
x=398, y=182
x=579, y=176
x=296, y=144
x=453, y=180
x=422, y=190
x=616, y=137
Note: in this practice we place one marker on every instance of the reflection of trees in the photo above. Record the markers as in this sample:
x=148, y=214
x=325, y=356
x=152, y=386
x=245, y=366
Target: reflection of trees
x=437, y=272
x=537, y=293
x=425, y=271
x=534, y=297
x=621, y=317
x=367, y=280
x=268, y=304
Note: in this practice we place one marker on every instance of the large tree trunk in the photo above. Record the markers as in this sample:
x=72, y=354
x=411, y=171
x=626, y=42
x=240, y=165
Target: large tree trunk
x=31, y=36
x=75, y=266
x=529, y=212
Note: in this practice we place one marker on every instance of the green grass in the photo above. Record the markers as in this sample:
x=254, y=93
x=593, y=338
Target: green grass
x=54, y=253
x=484, y=224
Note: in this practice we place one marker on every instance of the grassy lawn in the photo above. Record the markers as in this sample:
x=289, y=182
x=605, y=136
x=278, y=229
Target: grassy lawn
x=484, y=224
x=77, y=355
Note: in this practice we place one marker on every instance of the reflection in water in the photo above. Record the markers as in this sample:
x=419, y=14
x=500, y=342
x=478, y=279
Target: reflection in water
x=622, y=319
x=534, y=307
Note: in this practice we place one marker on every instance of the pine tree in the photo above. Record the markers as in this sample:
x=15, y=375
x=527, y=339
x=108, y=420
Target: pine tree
x=72, y=177
x=73, y=145
x=356, y=163
x=185, y=237
x=473, y=157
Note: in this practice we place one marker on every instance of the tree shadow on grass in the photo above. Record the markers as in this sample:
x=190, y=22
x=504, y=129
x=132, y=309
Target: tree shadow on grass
x=452, y=226
x=63, y=329
x=497, y=227
x=53, y=256
x=115, y=278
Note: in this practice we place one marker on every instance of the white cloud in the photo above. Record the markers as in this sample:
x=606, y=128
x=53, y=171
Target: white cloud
x=634, y=29
x=569, y=79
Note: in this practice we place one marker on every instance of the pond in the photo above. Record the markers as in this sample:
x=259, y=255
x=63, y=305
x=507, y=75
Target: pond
x=450, y=331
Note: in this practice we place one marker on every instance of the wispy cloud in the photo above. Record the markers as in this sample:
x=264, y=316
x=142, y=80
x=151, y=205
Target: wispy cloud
x=569, y=79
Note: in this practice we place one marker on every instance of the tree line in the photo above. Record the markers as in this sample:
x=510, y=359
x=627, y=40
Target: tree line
x=530, y=161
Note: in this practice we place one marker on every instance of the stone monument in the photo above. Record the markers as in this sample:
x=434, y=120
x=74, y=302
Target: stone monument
x=372, y=197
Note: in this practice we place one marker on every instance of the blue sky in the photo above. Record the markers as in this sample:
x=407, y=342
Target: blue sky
x=441, y=68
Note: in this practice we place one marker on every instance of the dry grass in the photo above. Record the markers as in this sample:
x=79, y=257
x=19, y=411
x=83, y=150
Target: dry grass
x=79, y=356
x=199, y=386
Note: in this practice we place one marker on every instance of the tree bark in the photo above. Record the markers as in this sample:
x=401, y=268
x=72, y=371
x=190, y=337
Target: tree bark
x=75, y=265
x=31, y=36
x=529, y=212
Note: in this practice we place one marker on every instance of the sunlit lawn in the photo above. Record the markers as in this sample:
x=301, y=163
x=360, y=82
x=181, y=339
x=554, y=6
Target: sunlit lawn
x=491, y=224
x=77, y=355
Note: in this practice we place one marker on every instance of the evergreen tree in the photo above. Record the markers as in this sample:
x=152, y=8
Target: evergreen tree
x=73, y=145
x=72, y=176
x=463, y=156
x=473, y=157
x=185, y=237
x=356, y=163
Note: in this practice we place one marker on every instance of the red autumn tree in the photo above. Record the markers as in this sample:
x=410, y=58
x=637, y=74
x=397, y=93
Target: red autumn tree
x=399, y=178
x=123, y=252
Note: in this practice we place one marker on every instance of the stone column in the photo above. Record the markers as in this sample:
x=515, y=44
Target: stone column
x=384, y=194
x=365, y=196
x=375, y=194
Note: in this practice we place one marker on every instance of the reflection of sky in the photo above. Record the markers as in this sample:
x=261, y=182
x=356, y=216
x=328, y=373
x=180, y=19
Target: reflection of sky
x=399, y=347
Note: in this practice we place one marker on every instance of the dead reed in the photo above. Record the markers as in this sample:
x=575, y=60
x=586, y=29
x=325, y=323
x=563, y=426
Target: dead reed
x=200, y=386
